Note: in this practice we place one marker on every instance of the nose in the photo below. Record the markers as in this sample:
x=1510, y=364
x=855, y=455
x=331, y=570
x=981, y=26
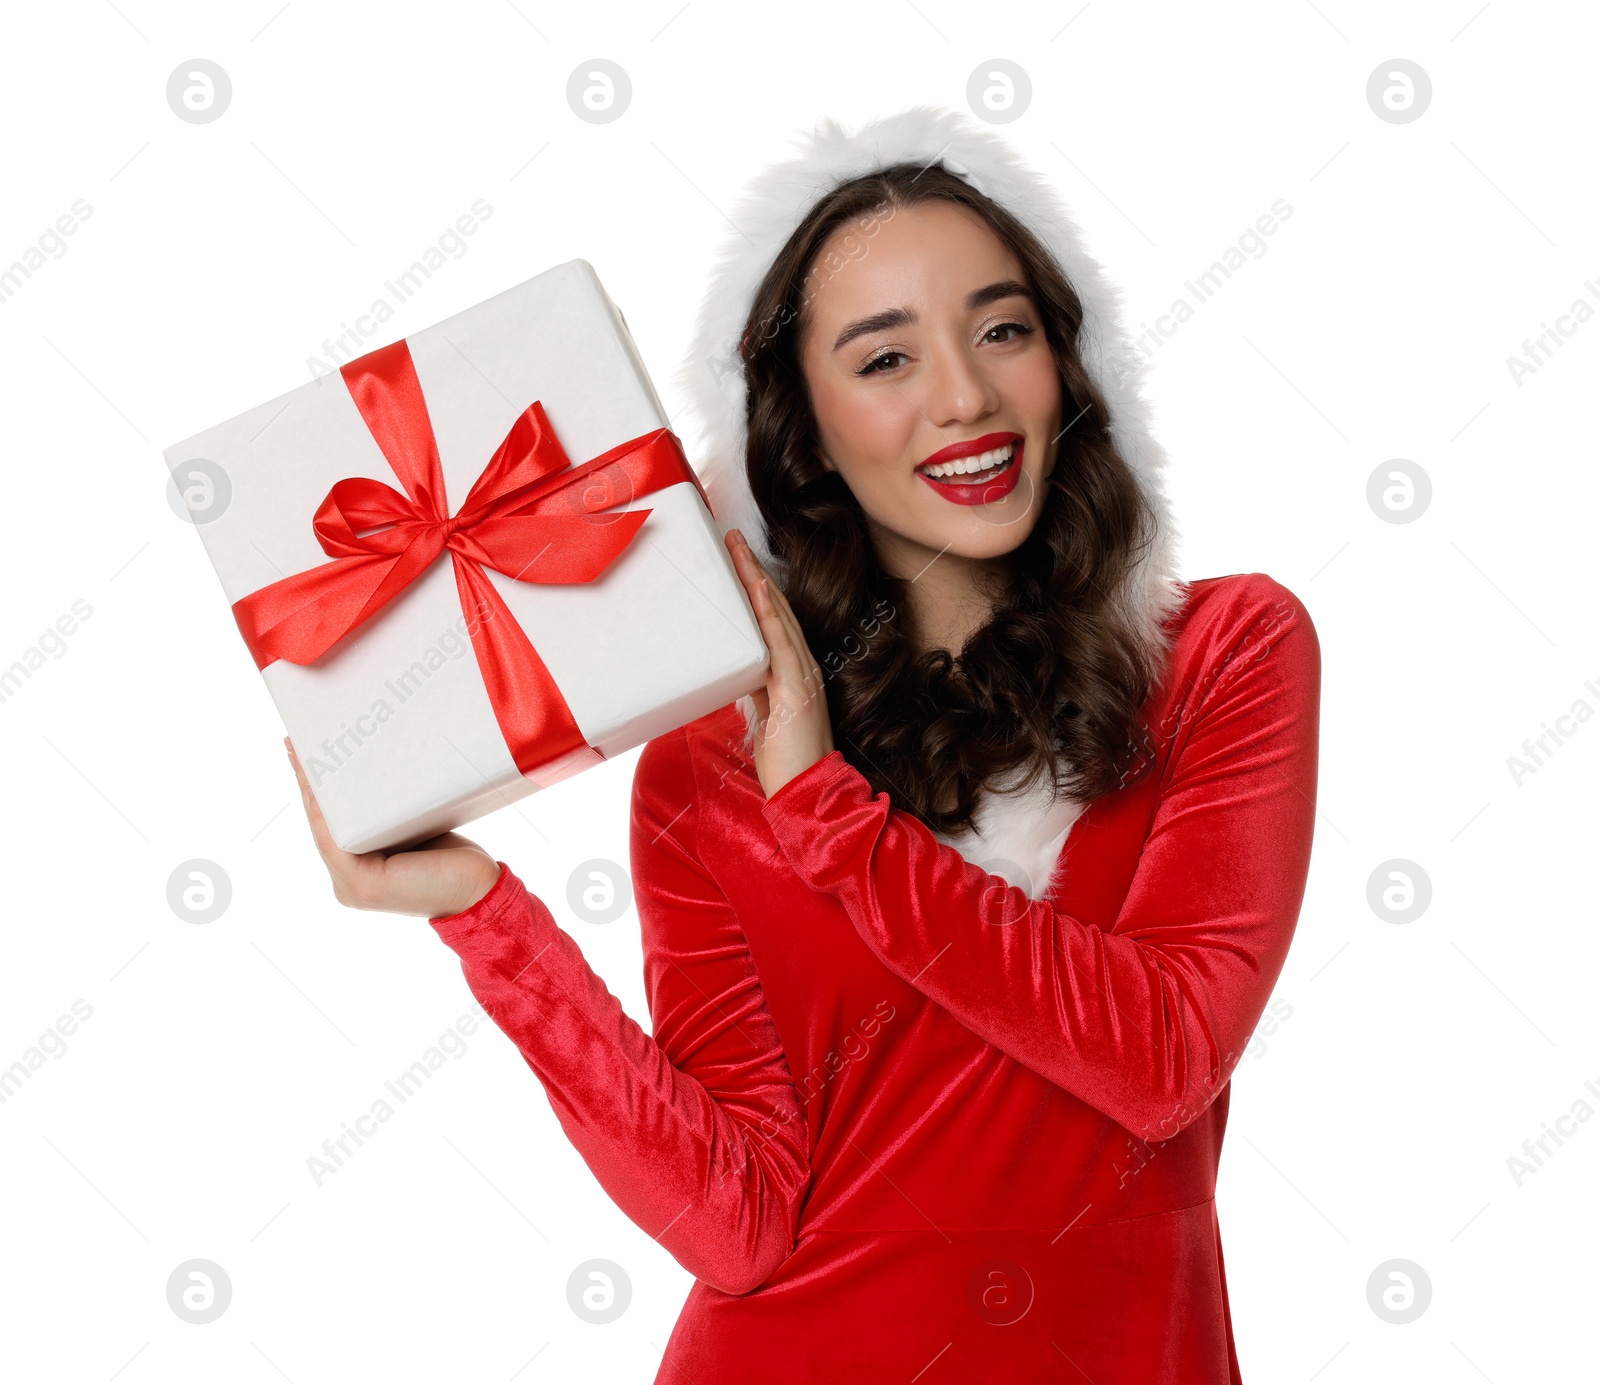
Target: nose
x=958, y=390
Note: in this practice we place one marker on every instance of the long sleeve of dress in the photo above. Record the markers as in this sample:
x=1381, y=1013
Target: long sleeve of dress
x=696, y=1133
x=1145, y=1022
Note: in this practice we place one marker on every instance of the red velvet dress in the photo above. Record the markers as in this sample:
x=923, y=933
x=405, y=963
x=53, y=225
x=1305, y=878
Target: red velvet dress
x=899, y=1121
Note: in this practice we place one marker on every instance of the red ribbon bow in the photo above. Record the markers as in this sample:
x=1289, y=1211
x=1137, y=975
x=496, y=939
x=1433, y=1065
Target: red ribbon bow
x=526, y=516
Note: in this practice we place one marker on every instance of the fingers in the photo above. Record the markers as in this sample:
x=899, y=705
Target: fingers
x=779, y=605
x=800, y=666
x=745, y=565
x=778, y=602
x=758, y=587
x=791, y=710
x=779, y=624
x=789, y=661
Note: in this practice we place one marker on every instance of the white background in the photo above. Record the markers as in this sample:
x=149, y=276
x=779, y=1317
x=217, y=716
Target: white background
x=1375, y=1122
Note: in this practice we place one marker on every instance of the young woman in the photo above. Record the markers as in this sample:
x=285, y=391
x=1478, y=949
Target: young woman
x=955, y=932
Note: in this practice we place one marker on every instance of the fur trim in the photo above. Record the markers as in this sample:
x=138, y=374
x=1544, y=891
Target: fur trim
x=712, y=374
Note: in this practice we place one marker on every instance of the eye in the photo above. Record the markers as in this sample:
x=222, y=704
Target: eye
x=1021, y=328
x=884, y=361
x=871, y=367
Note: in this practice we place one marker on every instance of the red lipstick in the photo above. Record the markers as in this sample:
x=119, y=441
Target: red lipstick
x=995, y=486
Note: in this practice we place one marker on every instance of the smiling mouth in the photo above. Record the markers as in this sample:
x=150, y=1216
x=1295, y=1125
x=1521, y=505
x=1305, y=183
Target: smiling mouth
x=972, y=471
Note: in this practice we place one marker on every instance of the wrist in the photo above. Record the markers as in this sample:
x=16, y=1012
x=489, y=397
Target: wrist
x=806, y=773
x=483, y=878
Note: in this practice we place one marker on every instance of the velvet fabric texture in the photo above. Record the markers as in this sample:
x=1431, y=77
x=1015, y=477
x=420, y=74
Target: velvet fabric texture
x=899, y=1120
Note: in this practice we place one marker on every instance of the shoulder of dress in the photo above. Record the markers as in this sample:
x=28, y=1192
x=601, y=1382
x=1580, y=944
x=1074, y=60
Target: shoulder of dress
x=1226, y=627
x=697, y=756
x=1219, y=614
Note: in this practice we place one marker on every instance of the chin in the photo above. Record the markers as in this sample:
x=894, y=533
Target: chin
x=988, y=532
x=996, y=542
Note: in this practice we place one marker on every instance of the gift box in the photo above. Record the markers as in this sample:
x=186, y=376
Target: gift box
x=472, y=563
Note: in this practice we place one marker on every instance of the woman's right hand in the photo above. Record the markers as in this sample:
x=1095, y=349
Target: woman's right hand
x=795, y=729
x=442, y=876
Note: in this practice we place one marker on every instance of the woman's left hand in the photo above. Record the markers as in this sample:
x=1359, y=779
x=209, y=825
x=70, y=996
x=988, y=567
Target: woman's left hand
x=794, y=730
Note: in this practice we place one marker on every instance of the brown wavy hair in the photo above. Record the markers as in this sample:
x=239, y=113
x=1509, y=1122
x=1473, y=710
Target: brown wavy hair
x=1054, y=681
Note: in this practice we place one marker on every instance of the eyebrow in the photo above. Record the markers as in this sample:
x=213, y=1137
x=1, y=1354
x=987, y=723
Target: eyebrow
x=904, y=317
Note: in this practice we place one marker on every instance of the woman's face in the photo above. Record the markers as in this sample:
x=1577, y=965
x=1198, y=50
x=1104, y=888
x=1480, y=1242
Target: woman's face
x=926, y=344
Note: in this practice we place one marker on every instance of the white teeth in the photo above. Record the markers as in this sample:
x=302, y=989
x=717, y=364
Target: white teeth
x=964, y=465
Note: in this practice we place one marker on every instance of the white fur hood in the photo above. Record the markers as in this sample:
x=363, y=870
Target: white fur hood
x=1016, y=836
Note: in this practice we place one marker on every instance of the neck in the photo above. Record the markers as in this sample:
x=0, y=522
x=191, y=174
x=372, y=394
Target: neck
x=951, y=597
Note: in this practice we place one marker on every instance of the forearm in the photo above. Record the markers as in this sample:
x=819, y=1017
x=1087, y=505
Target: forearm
x=1118, y=1025
x=716, y=1180
x=1145, y=1020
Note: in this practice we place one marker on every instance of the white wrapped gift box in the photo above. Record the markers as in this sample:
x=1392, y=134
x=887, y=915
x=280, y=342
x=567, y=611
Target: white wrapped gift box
x=394, y=724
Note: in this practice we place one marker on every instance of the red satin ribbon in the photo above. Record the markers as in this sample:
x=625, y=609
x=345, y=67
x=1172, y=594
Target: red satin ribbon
x=531, y=515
